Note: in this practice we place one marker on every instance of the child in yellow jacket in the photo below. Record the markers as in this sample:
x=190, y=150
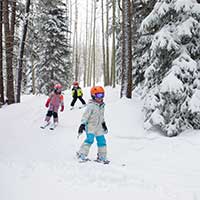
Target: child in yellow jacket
x=77, y=93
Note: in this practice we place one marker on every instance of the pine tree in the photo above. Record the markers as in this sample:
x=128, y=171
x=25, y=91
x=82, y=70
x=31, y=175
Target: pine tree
x=140, y=42
x=172, y=67
x=54, y=65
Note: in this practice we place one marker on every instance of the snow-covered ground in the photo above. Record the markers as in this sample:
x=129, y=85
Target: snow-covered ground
x=37, y=164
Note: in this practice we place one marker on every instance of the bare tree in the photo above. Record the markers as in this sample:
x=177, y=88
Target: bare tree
x=103, y=41
x=1, y=58
x=9, y=29
x=86, y=47
x=21, y=50
x=113, y=45
x=107, y=44
x=126, y=85
x=76, y=41
x=94, y=46
x=89, y=71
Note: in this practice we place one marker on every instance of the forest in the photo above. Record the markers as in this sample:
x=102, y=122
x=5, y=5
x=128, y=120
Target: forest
x=147, y=47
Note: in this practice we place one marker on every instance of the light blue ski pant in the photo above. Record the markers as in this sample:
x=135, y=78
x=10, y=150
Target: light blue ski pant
x=101, y=144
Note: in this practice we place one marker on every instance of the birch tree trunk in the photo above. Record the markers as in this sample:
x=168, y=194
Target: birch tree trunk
x=107, y=44
x=79, y=53
x=126, y=86
x=76, y=41
x=113, y=45
x=94, y=46
x=103, y=41
x=67, y=21
x=90, y=48
x=70, y=29
x=9, y=42
x=21, y=50
x=1, y=58
x=86, y=48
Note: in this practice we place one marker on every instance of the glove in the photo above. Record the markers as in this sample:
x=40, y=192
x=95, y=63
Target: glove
x=62, y=108
x=81, y=129
x=104, y=127
x=47, y=103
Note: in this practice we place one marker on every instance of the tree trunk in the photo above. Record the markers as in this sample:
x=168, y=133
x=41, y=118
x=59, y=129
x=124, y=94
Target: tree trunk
x=76, y=41
x=86, y=48
x=94, y=46
x=126, y=86
x=21, y=50
x=9, y=38
x=67, y=22
x=1, y=58
x=107, y=44
x=103, y=41
x=79, y=53
x=90, y=48
x=113, y=45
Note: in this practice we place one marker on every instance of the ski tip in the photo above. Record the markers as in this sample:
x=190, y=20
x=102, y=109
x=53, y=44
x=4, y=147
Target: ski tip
x=83, y=161
x=103, y=162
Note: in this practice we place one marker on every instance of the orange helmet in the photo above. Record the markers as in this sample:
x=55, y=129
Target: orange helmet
x=97, y=92
x=75, y=83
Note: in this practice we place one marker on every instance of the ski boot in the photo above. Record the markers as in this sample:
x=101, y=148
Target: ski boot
x=101, y=159
x=45, y=124
x=81, y=157
x=53, y=126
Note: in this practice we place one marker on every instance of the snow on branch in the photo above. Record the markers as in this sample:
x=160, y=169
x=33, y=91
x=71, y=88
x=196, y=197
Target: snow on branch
x=165, y=39
x=187, y=27
x=185, y=5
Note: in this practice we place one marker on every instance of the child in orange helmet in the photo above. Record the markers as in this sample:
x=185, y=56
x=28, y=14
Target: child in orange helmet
x=94, y=125
x=53, y=103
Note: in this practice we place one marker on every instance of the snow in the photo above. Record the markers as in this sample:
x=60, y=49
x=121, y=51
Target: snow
x=184, y=62
x=186, y=28
x=40, y=164
x=185, y=5
x=171, y=84
x=164, y=39
x=194, y=105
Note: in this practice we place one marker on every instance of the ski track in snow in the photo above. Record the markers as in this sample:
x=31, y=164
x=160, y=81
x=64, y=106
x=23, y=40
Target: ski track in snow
x=41, y=164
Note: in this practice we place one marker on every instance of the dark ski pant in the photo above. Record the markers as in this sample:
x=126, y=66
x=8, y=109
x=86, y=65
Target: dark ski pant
x=51, y=113
x=75, y=99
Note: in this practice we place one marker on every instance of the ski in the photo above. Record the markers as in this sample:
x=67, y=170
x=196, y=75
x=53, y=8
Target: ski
x=79, y=107
x=83, y=160
x=102, y=161
x=44, y=126
x=53, y=126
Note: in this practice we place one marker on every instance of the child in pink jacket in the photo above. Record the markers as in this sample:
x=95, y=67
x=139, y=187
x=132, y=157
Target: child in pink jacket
x=54, y=101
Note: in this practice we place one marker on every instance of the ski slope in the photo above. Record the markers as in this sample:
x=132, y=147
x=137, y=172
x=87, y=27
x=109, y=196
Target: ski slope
x=37, y=164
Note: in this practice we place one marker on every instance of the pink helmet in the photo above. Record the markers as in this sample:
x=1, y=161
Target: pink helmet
x=58, y=86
